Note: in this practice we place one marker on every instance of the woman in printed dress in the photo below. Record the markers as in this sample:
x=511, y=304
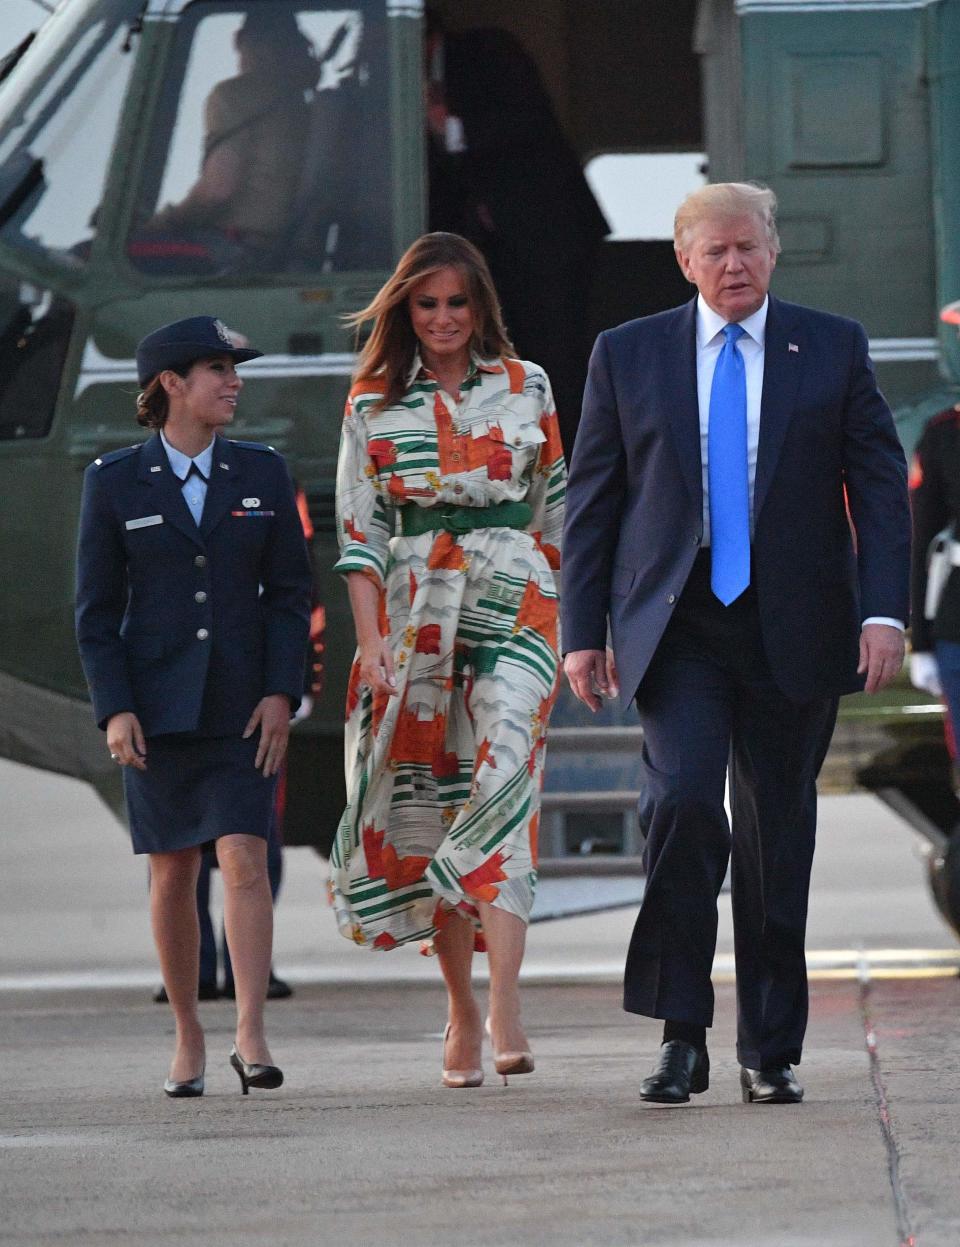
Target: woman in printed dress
x=450, y=506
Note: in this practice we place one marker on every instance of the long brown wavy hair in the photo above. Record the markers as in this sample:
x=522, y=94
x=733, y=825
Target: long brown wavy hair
x=388, y=352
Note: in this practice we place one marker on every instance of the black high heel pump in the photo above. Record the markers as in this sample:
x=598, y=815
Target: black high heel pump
x=264, y=1076
x=184, y=1090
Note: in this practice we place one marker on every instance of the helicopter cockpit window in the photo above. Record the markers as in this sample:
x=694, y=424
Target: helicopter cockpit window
x=58, y=115
x=35, y=327
x=270, y=144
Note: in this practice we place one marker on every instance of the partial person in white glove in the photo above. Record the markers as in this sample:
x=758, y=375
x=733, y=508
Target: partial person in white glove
x=925, y=674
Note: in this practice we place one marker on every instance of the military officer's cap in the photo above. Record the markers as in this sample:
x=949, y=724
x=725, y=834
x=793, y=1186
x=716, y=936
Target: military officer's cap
x=184, y=341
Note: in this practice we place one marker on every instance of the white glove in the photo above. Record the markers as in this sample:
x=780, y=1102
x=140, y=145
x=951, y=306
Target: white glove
x=924, y=674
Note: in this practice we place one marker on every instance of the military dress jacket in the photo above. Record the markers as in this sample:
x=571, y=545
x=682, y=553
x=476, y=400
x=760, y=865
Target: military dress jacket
x=935, y=499
x=189, y=625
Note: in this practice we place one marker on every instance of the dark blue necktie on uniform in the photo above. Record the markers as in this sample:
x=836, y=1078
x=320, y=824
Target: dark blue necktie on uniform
x=727, y=473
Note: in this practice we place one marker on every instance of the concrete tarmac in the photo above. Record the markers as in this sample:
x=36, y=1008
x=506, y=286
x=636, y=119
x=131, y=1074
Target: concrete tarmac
x=362, y=1145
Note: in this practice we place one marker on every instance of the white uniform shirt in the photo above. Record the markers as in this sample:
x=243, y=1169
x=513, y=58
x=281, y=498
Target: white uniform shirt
x=194, y=489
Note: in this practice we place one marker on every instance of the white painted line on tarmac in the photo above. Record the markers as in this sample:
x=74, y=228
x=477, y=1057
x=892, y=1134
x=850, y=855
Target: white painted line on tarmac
x=840, y=963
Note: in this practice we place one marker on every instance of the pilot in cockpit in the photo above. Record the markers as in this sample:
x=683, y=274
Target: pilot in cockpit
x=254, y=129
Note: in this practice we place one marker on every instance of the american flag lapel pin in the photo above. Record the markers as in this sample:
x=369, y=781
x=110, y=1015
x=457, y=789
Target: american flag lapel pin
x=792, y=346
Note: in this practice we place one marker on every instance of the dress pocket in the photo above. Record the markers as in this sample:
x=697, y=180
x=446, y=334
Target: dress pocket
x=522, y=434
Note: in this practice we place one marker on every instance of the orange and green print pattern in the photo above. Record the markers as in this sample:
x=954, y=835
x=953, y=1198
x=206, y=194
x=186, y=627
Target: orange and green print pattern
x=443, y=778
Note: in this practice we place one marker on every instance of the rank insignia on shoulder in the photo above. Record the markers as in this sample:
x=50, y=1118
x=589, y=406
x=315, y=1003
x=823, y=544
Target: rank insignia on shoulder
x=114, y=456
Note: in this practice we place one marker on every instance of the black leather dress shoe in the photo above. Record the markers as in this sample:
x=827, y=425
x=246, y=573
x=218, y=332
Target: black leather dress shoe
x=277, y=989
x=777, y=1084
x=680, y=1069
x=205, y=991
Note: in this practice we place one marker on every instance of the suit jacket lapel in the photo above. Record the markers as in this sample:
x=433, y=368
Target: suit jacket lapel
x=679, y=362
x=781, y=377
x=222, y=488
x=166, y=488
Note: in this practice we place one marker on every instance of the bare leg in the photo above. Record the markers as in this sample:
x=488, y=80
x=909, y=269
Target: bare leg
x=505, y=935
x=248, y=920
x=454, y=944
x=176, y=932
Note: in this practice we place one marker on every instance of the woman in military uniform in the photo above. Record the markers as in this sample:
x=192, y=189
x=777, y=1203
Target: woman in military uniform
x=193, y=602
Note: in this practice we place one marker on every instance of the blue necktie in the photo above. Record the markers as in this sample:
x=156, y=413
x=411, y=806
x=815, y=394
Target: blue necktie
x=727, y=473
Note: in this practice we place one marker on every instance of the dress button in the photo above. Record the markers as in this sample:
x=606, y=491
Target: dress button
x=200, y=596
x=696, y=539
x=202, y=634
x=200, y=560
x=458, y=489
x=672, y=598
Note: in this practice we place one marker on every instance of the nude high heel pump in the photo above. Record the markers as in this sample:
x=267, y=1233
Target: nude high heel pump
x=510, y=1062
x=457, y=1077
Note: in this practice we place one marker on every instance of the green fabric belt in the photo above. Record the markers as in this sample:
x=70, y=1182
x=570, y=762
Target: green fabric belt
x=415, y=520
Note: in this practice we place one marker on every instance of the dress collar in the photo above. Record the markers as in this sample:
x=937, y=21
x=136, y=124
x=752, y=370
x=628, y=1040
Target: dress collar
x=710, y=323
x=180, y=463
x=478, y=363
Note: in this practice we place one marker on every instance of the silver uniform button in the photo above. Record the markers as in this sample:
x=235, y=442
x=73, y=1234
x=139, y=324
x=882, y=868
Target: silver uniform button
x=200, y=596
x=200, y=560
x=202, y=634
x=672, y=598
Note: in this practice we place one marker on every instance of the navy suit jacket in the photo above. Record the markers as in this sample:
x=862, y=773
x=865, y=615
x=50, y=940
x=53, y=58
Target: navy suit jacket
x=186, y=626
x=635, y=498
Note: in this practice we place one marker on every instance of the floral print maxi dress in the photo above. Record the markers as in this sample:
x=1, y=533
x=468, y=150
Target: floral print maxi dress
x=443, y=778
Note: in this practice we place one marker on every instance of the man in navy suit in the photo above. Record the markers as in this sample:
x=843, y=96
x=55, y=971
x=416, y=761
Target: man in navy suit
x=737, y=512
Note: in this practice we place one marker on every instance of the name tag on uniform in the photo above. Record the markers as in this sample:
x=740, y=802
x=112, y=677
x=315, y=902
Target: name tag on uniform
x=146, y=521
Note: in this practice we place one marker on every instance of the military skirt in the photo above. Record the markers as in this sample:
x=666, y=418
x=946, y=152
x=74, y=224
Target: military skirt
x=195, y=790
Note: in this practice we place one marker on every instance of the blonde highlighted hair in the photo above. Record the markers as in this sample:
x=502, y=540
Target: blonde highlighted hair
x=389, y=352
x=724, y=200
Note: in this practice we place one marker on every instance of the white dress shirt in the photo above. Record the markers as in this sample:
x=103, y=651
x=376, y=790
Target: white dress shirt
x=710, y=326
x=194, y=489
